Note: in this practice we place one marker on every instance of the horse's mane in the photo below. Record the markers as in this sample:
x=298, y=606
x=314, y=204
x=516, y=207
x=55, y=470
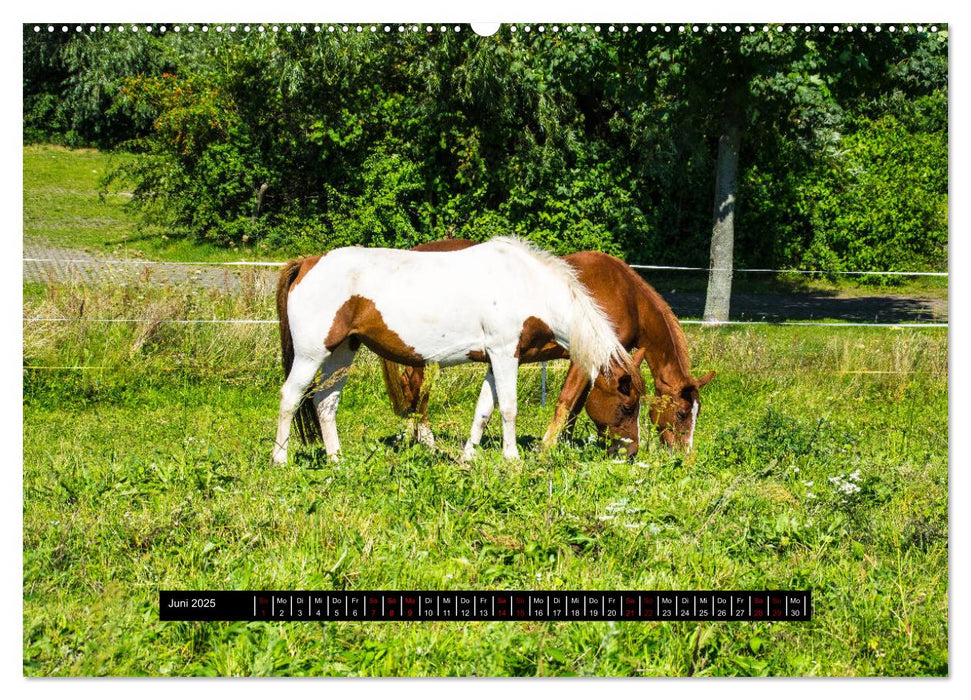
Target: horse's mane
x=555, y=264
x=670, y=321
x=593, y=340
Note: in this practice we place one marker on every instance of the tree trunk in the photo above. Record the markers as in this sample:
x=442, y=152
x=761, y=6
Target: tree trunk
x=723, y=231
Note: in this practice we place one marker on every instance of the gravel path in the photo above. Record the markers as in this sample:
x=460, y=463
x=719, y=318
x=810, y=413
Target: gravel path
x=43, y=262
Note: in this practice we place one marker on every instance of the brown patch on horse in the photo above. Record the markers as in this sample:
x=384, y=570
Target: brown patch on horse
x=359, y=319
x=477, y=356
x=537, y=342
x=446, y=245
x=306, y=265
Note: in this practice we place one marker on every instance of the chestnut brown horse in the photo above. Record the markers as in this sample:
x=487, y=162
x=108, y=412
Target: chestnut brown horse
x=642, y=319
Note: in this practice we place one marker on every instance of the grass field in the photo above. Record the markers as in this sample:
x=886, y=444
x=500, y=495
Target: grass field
x=822, y=463
x=153, y=472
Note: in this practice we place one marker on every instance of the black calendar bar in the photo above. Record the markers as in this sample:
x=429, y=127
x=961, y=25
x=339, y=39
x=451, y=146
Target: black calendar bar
x=429, y=606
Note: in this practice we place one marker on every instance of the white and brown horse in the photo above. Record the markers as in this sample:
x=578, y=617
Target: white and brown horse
x=642, y=320
x=488, y=303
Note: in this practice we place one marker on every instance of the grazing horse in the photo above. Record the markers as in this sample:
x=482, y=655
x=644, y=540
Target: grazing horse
x=491, y=303
x=642, y=320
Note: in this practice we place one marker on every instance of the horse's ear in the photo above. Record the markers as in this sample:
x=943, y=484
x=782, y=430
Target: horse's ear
x=638, y=356
x=704, y=380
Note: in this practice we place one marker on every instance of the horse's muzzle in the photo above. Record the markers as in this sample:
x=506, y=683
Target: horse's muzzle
x=622, y=446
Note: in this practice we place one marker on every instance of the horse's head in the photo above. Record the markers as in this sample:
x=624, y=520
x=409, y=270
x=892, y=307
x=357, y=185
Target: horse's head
x=674, y=411
x=614, y=406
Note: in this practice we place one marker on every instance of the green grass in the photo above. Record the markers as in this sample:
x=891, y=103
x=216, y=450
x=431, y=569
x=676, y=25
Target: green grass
x=66, y=205
x=152, y=471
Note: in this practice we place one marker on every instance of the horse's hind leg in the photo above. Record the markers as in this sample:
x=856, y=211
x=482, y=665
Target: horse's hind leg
x=333, y=376
x=291, y=396
x=483, y=412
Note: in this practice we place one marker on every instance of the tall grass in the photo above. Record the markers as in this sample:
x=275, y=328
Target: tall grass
x=821, y=463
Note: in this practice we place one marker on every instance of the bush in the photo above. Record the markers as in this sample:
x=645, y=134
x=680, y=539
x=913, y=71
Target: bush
x=885, y=206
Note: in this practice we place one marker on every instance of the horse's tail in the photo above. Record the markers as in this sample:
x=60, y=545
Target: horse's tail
x=393, y=382
x=306, y=417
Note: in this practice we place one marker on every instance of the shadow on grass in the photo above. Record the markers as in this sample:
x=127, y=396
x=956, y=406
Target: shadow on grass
x=816, y=306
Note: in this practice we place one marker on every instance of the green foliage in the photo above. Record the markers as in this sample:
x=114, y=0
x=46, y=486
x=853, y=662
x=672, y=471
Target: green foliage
x=71, y=83
x=304, y=141
x=884, y=205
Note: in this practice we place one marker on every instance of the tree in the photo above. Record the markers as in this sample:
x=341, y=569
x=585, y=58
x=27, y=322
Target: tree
x=785, y=84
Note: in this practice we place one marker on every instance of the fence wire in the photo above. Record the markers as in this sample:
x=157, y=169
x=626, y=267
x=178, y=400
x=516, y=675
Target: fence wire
x=82, y=267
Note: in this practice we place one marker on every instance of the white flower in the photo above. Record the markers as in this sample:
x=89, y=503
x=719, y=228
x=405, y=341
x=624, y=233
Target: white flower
x=810, y=495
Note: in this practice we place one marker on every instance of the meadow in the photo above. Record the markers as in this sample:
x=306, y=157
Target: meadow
x=821, y=463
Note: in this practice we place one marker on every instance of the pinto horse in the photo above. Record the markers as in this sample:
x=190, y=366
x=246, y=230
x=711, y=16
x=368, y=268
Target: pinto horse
x=490, y=303
x=642, y=319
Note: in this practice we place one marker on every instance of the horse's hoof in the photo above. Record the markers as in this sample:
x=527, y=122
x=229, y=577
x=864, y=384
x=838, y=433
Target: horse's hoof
x=426, y=438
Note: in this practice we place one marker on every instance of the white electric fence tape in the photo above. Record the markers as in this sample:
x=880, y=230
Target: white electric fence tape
x=242, y=263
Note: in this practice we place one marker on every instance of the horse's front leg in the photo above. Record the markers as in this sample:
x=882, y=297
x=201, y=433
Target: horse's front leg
x=505, y=368
x=421, y=425
x=568, y=405
x=483, y=412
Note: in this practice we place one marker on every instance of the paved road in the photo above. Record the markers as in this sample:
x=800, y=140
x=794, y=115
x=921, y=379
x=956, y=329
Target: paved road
x=45, y=262
x=816, y=306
